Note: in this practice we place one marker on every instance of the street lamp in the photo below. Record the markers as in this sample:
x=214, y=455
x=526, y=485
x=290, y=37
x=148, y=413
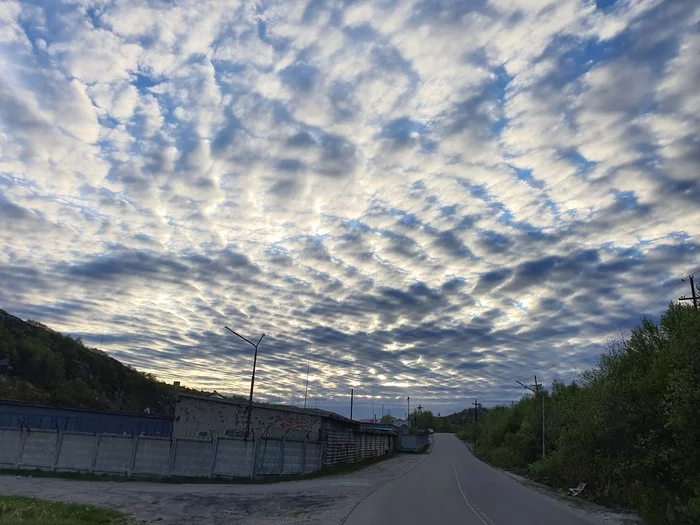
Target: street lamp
x=252, y=378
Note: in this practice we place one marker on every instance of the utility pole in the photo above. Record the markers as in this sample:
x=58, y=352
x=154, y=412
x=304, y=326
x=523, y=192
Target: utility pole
x=537, y=392
x=408, y=411
x=306, y=390
x=352, y=399
x=374, y=415
x=693, y=296
x=476, y=411
x=252, y=377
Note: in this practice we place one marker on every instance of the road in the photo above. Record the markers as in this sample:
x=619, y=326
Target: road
x=453, y=487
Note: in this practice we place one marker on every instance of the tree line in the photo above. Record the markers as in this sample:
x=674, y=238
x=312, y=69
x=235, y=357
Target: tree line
x=629, y=427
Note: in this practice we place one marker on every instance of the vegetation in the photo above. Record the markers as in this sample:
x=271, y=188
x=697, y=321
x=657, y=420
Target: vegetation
x=40, y=365
x=16, y=510
x=628, y=427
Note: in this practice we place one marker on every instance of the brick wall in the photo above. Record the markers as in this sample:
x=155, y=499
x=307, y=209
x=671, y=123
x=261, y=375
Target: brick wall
x=209, y=418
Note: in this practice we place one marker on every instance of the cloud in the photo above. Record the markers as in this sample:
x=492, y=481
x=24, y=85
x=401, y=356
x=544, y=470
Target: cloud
x=418, y=198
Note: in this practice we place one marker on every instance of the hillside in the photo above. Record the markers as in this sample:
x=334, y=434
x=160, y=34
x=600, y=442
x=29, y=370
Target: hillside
x=40, y=365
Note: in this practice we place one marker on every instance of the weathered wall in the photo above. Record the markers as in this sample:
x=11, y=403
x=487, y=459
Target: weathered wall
x=415, y=443
x=113, y=454
x=152, y=456
x=76, y=452
x=349, y=446
x=10, y=441
x=209, y=418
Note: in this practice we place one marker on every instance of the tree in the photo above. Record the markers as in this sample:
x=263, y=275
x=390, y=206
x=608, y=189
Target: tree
x=388, y=419
x=628, y=427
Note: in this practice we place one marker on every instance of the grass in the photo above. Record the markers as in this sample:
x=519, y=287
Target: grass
x=15, y=510
x=344, y=468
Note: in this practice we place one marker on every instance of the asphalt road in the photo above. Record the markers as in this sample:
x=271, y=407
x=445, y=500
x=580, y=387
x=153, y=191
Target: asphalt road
x=453, y=487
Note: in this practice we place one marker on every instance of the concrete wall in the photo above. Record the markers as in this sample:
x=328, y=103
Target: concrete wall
x=10, y=441
x=208, y=418
x=414, y=443
x=114, y=454
x=76, y=453
x=269, y=461
x=152, y=456
x=313, y=460
x=39, y=449
x=234, y=458
x=192, y=458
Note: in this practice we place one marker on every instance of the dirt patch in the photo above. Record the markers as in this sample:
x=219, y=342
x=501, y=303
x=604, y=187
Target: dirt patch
x=321, y=501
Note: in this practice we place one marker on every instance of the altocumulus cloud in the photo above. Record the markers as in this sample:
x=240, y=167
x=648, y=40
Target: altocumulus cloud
x=421, y=198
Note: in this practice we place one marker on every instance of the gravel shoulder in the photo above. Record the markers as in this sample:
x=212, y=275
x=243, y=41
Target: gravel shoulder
x=321, y=501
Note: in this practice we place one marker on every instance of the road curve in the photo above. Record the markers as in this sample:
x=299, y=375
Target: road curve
x=453, y=487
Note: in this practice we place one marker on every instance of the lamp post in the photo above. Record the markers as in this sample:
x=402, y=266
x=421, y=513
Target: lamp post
x=252, y=378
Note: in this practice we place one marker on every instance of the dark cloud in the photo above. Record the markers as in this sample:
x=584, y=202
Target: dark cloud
x=404, y=133
x=338, y=156
x=300, y=77
x=494, y=242
x=450, y=243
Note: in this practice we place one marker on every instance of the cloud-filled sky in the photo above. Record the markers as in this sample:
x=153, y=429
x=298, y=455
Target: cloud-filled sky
x=425, y=198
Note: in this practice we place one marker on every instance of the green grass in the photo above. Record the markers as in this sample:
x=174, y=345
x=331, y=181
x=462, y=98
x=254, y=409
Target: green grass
x=15, y=510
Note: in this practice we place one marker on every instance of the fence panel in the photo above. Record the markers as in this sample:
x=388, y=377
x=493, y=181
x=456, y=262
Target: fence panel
x=313, y=462
x=39, y=449
x=76, y=452
x=114, y=454
x=414, y=443
x=152, y=456
x=10, y=442
x=234, y=458
x=192, y=458
x=293, y=451
x=227, y=457
x=269, y=457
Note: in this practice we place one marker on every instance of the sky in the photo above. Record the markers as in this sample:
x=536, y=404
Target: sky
x=425, y=198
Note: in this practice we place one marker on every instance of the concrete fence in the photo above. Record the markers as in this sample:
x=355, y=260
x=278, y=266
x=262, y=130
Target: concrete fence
x=414, y=443
x=153, y=456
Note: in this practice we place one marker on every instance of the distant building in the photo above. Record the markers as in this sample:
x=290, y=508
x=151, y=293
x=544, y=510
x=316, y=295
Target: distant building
x=402, y=425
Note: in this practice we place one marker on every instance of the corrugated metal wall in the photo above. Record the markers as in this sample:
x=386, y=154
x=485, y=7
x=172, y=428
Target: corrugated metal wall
x=349, y=446
x=15, y=415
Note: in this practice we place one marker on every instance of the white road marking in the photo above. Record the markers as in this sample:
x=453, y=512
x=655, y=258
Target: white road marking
x=468, y=501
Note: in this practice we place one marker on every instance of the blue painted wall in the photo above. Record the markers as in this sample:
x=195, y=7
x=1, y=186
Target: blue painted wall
x=72, y=420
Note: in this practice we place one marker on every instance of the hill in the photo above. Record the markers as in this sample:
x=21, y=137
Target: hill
x=40, y=365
